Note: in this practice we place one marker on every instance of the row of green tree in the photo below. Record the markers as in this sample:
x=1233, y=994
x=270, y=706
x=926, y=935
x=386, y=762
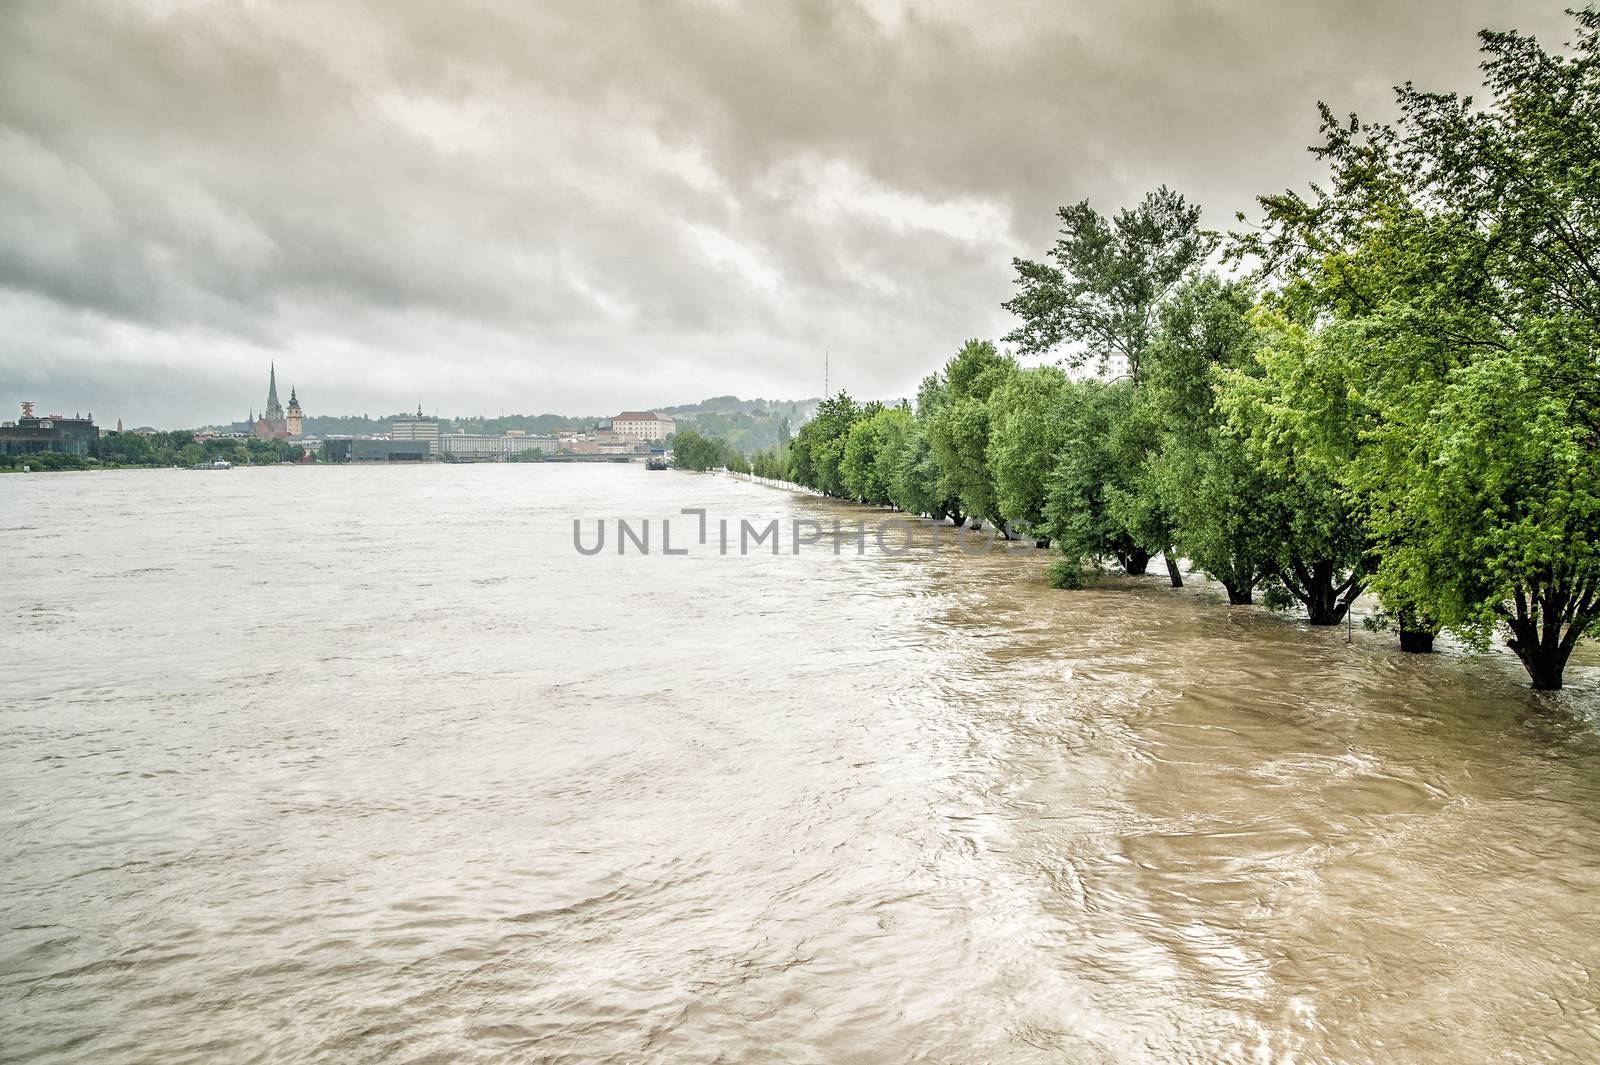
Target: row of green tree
x=175, y=448
x=696, y=451
x=1394, y=387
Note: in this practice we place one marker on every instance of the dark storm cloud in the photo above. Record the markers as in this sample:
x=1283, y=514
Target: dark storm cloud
x=588, y=205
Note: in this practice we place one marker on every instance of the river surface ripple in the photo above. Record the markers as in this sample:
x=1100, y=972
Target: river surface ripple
x=350, y=765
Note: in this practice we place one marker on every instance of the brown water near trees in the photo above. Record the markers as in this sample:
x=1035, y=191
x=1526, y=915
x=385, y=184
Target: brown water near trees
x=370, y=764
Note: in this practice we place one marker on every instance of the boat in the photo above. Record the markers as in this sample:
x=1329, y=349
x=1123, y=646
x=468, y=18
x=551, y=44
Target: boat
x=656, y=462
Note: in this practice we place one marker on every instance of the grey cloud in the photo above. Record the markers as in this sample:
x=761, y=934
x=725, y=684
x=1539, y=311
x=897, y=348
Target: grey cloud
x=578, y=205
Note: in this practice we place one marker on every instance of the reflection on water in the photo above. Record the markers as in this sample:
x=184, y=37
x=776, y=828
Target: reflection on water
x=370, y=765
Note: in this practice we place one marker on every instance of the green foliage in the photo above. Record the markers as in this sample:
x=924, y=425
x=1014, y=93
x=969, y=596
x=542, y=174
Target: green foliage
x=1029, y=414
x=1065, y=573
x=958, y=430
x=1218, y=502
x=691, y=451
x=746, y=425
x=1294, y=410
x=1459, y=249
x=818, y=450
x=182, y=448
x=1106, y=279
x=1098, y=465
x=47, y=461
x=772, y=462
x=871, y=450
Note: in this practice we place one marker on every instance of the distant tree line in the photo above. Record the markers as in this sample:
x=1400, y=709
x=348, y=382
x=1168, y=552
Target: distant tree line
x=174, y=448
x=1396, y=391
x=747, y=424
x=692, y=451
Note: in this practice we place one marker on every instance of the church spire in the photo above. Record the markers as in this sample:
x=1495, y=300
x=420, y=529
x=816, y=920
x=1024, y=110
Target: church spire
x=274, y=408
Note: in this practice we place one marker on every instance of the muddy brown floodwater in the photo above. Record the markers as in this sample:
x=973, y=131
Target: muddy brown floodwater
x=347, y=765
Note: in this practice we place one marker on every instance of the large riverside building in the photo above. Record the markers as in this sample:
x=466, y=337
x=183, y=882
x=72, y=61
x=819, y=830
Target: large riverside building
x=30, y=435
x=346, y=449
x=419, y=428
x=485, y=446
x=643, y=426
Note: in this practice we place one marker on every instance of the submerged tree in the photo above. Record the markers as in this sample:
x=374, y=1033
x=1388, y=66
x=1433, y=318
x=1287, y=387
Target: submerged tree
x=1469, y=239
x=1303, y=447
x=1224, y=511
x=1097, y=462
x=1029, y=414
x=958, y=430
x=859, y=469
x=818, y=449
x=1099, y=295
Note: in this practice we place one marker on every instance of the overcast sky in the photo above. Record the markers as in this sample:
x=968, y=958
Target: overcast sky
x=582, y=206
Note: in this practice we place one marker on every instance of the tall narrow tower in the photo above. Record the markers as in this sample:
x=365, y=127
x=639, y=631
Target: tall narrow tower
x=293, y=415
x=274, y=412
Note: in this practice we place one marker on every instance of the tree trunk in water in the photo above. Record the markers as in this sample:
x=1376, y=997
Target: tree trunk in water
x=1544, y=671
x=1135, y=562
x=1041, y=544
x=1536, y=629
x=1415, y=637
x=1317, y=587
x=1320, y=597
x=1237, y=596
x=1416, y=641
x=1172, y=569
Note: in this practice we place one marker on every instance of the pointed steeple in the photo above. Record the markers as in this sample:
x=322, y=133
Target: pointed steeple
x=274, y=408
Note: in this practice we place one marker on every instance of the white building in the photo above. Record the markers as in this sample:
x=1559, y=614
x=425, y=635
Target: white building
x=494, y=448
x=643, y=425
x=476, y=446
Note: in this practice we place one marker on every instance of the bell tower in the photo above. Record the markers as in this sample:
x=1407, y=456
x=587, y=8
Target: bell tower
x=293, y=415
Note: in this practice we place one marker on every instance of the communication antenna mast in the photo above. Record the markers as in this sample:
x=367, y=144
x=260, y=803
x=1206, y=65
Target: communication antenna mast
x=27, y=408
x=824, y=375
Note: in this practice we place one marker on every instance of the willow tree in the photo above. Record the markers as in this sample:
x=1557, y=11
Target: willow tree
x=1469, y=239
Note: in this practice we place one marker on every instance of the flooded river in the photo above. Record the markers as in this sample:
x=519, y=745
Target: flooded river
x=371, y=765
